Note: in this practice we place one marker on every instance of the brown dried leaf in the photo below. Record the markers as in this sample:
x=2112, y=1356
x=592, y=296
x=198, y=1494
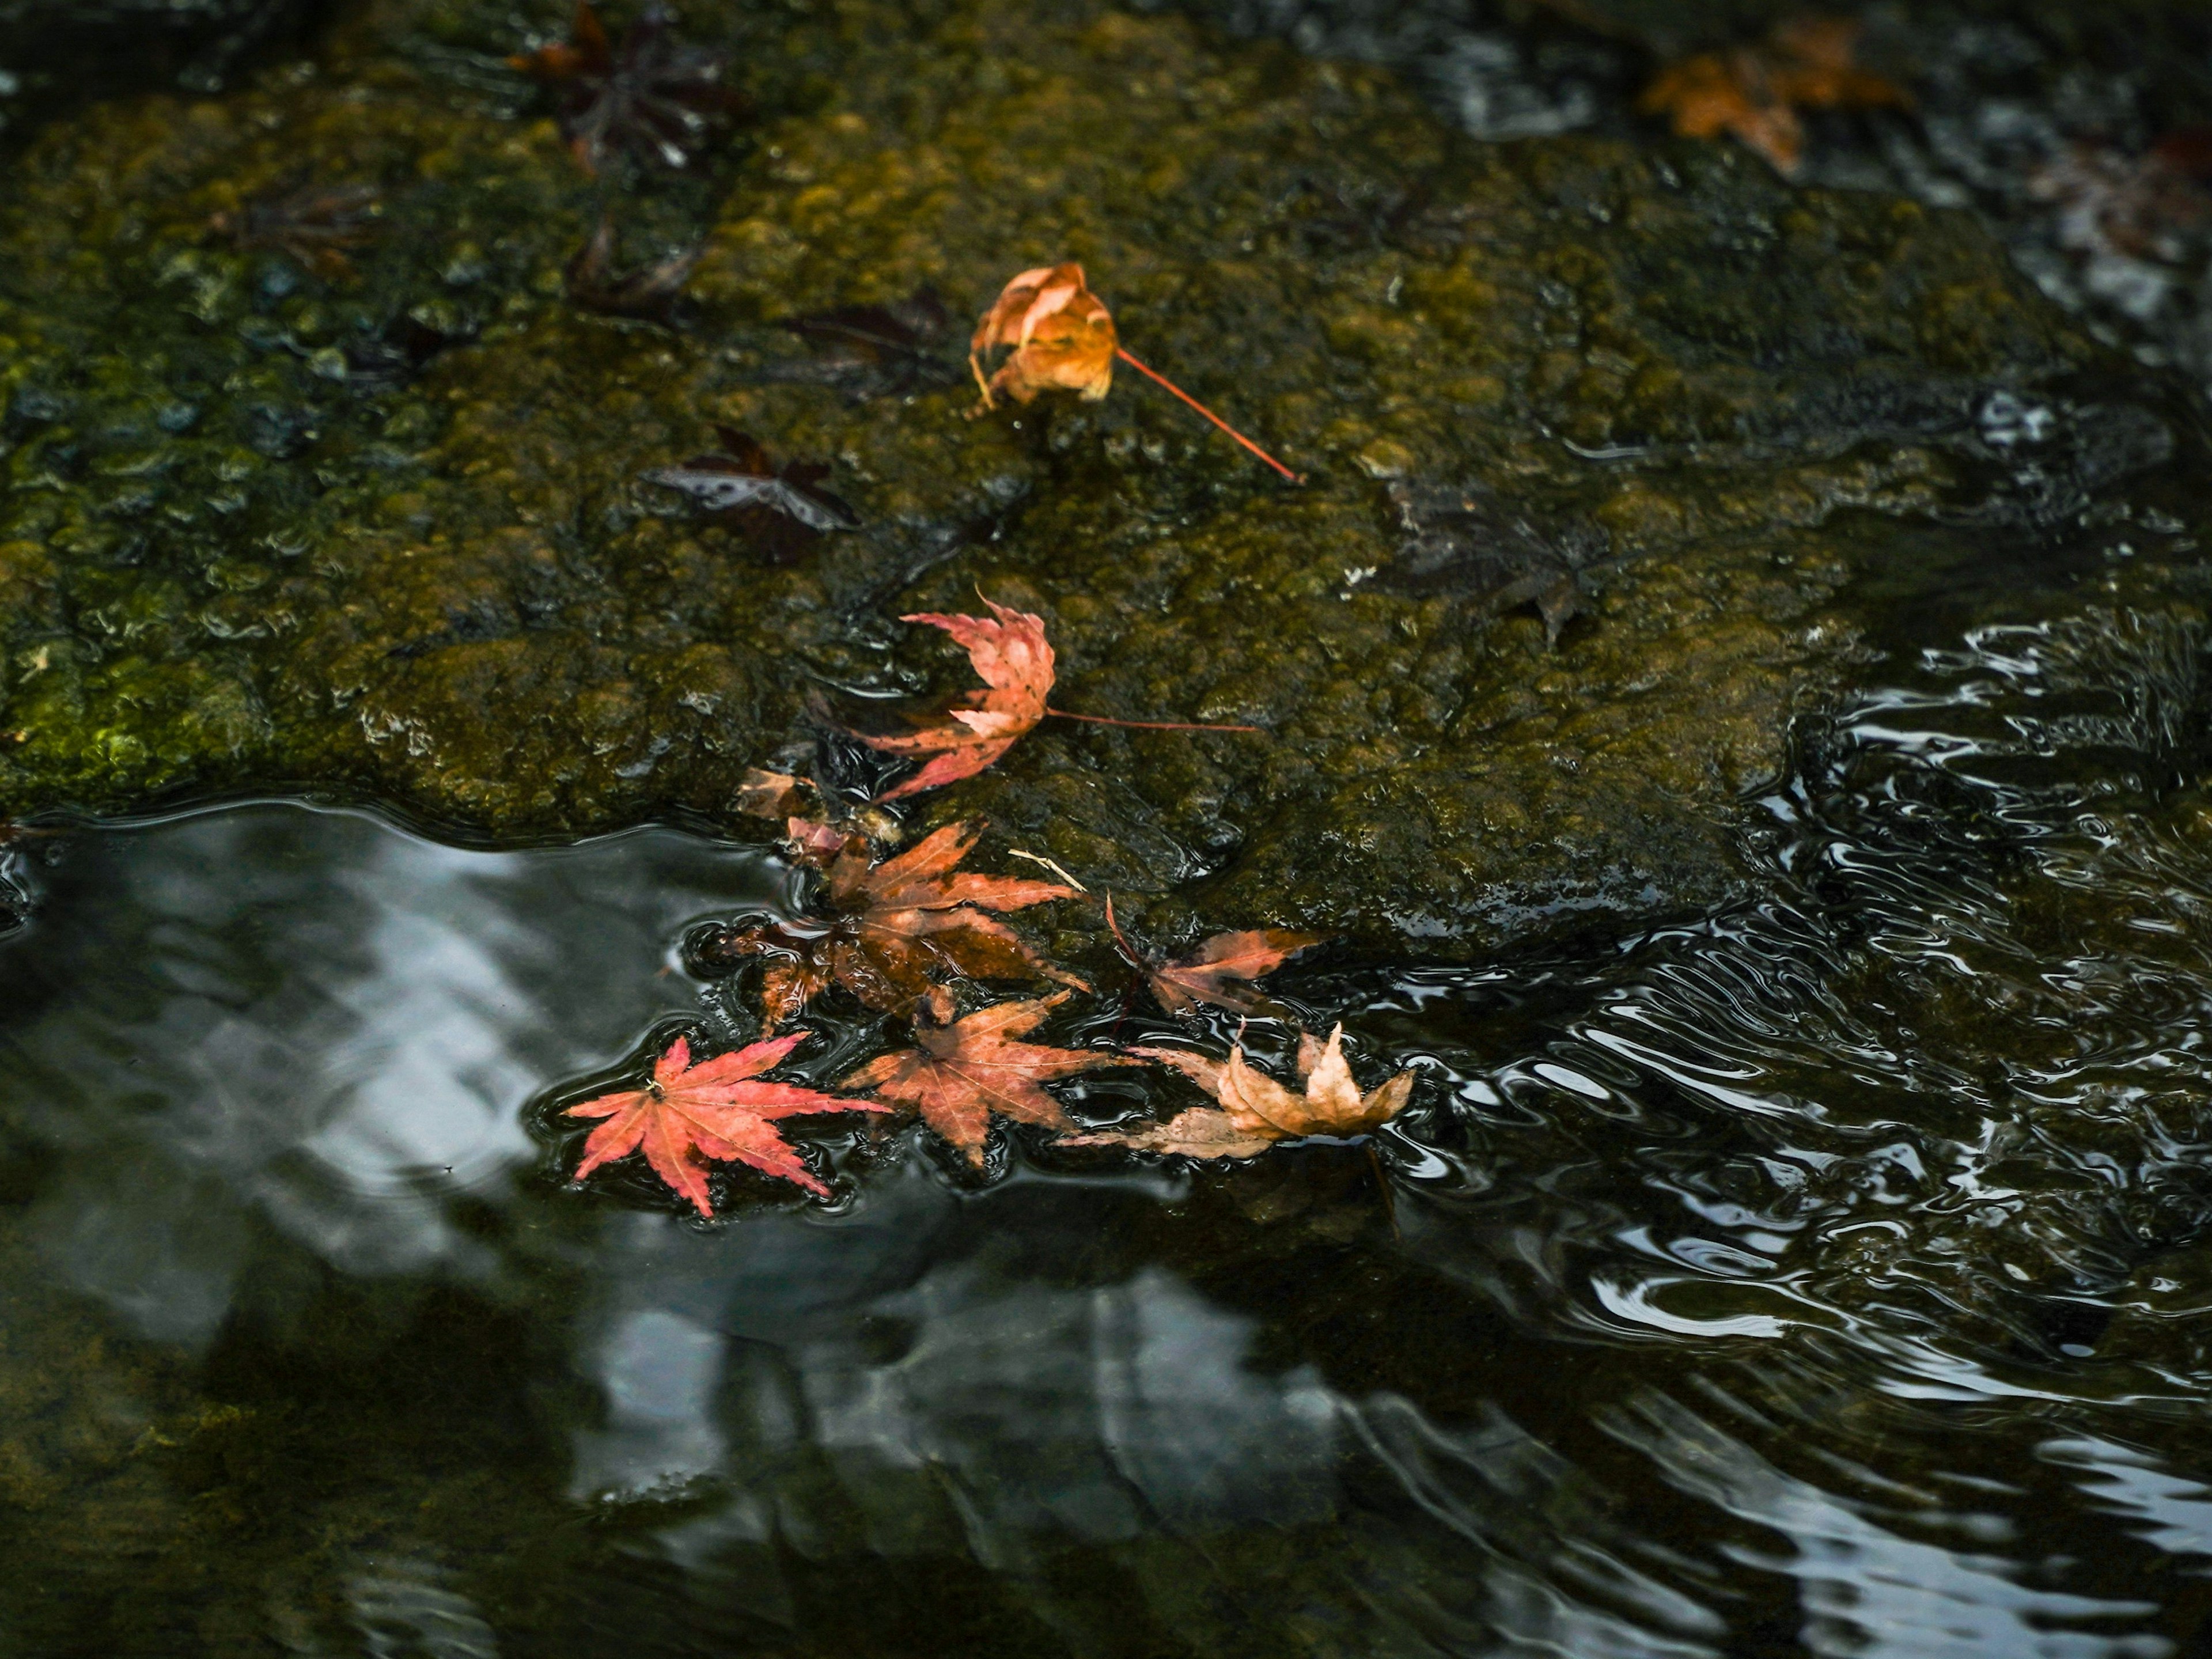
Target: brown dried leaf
x=1059, y=334
x=1256, y=1111
x=1220, y=971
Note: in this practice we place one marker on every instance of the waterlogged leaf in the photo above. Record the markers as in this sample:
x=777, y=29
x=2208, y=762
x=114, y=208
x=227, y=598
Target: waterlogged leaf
x=652, y=96
x=1059, y=335
x=1220, y=971
x=649, y=293
x=961, y=1072
x=315, y=224
x=2154, y=206
x=717, y=1110
x=741, y=477
x=764, y=795
x=874, y=351
x=1255, y=1110
x=894, y=928
x=1011, y=655
x=1754, y=93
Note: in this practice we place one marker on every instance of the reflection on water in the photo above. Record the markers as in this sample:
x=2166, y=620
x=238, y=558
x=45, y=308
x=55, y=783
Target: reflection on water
x=1826, y=1277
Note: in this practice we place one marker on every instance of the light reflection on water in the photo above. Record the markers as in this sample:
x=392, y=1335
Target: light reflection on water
x=1824, y=1277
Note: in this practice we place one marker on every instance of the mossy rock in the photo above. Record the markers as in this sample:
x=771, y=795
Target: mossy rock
x=230, y=558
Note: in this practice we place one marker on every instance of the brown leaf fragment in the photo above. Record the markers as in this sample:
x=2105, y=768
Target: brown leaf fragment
x=1011, y=655
x=688, y=1114
x=649, y=293
x=962, y=1072
x=1754, y=93
x=2110, y=203
x=1059, y=334
x=740, y=479
x=893, y=929
x=1220, y=971
x=1256, y=1111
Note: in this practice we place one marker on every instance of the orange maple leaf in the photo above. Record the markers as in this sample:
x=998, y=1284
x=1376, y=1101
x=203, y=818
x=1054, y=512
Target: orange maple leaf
x=1754, y=92
x=1218, y=970
x=893, y=926
x=1255, y=1110
x=1009, y=653
x=715, y=1109
x=1060, y=335
x=961, y=1072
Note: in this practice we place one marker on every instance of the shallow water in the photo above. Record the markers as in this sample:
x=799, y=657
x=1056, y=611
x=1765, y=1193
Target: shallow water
x=1824, y=1277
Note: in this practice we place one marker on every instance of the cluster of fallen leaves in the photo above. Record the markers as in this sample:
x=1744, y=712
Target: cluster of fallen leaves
x=1754, y=93
x=891, y=932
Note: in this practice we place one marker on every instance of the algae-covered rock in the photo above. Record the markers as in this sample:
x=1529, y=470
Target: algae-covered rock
x=379, y=524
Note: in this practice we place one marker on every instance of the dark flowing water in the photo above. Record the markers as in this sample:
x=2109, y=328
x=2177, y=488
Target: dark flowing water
x=1829, y=1277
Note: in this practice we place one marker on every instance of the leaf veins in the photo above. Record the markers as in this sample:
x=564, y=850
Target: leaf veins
x=1220, y=971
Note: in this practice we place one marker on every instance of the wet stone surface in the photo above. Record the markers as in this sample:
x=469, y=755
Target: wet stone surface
x=380, y=524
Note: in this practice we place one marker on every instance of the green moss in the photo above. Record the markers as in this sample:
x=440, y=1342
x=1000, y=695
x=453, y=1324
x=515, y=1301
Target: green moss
x=224, y=562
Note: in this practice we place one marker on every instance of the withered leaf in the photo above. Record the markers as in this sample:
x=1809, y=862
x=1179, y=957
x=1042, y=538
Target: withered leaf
x=960, y=1072
x=718, y=1109
x=740, y=476
x=1255, y=1110
x=1220, y=971
x=652, y=96
x=891, y=929
x=649, y=293
x=1009, y=653
x=874, y=351
x=765, y=795
x=1754, y=92
x=1059, y=334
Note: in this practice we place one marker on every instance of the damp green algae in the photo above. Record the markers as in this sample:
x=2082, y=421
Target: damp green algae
x=225, y=562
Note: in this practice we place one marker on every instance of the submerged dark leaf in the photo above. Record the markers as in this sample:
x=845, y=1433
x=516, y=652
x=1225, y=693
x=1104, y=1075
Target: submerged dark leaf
x=649, y=293
x=651, y=97
x=1462, y=542
x=875, y=351
x=741, y=478
x=312, y=224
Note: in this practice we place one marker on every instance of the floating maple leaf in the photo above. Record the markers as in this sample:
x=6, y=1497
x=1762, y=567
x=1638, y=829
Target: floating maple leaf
x=1009, y=650
x=740, y=479
x=960, y=1072
x=1218, y=971
x=715, y=1109
x=1255, y=1110
x=315, y=223
x=874, y=351
x=651, y=96
x=649, y=293
x=893, y=927
x=764, y=795
x=1754, y=92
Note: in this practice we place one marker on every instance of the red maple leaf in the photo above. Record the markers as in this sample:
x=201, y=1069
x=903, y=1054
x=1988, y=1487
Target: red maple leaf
x=715, y=1109
x=960, y=1072
x=894, y=926
x=1009, y=650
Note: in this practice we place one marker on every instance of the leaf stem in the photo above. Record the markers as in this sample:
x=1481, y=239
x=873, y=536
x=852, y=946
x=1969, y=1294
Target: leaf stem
x=1151, y=725
x=1159, y=378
